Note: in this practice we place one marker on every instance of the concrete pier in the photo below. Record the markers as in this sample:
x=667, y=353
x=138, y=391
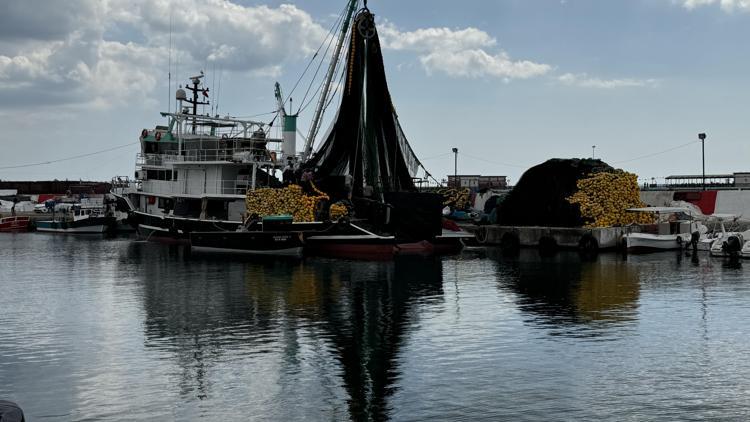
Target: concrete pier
x=549, y=237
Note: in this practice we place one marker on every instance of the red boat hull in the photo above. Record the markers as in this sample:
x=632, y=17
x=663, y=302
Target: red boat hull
x=14, y=224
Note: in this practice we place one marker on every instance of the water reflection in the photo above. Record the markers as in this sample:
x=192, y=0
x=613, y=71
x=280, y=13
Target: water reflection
x=574, y=295
x=302, y=313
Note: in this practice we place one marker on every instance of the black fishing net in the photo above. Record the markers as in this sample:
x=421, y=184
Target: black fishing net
x=539, y=197
x=366, y=140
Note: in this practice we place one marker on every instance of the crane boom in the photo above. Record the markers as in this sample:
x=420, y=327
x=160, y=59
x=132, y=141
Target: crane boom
x=315, y=126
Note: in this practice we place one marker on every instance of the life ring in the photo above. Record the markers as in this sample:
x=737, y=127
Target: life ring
x=144, y=133
x=158, y=136
x=481, y=234
x=588, y=244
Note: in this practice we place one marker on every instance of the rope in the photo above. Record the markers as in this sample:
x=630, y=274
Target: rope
x=68, y=158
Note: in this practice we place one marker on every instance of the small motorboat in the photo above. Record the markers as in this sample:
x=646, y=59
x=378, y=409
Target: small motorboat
x=269, y=236
x=247, y=242
x=77, y=219
x=745, y=251
x=677, y=232
x=14, y=224
x=726, y=243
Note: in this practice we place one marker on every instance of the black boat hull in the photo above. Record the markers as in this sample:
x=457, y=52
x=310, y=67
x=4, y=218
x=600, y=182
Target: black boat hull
x=249, y=242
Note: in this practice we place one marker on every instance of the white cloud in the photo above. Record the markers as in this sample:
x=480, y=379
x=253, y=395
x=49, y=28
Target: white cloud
x=459, y=52
x=478, y=63
x=431, y=39
x=585, y=81
x=726, y=5
x=52, y=56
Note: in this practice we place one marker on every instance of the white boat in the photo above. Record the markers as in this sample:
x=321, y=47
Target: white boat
x=745, y=251
x=675, y=233
x=724, y=243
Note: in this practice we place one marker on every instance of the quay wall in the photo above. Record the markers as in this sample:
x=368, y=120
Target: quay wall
x=559, y=237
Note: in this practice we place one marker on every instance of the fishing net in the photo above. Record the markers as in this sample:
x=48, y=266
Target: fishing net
x=540, y=196
x=365, y=140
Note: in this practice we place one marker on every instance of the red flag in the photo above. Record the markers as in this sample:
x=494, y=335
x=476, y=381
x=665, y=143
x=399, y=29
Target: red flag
x=205, y=92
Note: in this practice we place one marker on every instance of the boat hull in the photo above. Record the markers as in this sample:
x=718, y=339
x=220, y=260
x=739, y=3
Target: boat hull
x=14, y=224
x=170, y=229
x=96, y=225
x=646, y=242
x=330, y=239
x=248, y=243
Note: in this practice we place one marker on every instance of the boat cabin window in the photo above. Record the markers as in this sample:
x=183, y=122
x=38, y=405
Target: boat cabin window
x=217, y=209
x=165, y=204
x=187, y=207
x=159, y=174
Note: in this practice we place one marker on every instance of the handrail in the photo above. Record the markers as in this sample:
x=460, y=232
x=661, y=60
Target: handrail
x=239, y=155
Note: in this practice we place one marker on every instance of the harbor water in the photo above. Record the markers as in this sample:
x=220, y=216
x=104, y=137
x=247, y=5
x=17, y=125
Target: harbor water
x=117, y=329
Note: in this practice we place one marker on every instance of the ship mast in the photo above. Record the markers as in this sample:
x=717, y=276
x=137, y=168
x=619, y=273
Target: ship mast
x=196, y=80
x=315, y=126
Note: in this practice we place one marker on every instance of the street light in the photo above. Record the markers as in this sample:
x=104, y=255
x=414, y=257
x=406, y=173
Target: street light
x=702, y=137
x=455, y=167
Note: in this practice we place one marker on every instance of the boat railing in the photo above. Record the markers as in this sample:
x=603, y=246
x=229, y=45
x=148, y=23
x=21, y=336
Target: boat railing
x=238, y=186
x=261, y=156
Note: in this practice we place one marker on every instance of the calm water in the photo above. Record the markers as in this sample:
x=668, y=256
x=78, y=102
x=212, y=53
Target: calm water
x=94, y=329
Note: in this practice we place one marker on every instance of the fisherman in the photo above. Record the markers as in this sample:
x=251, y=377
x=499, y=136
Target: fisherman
x=306, y=181
x=288, y=173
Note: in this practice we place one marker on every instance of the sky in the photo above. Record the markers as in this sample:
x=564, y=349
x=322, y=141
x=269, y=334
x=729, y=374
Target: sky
x=510, y=83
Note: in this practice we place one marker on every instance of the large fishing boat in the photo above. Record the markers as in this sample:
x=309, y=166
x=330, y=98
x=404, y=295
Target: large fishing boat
x=194, y=174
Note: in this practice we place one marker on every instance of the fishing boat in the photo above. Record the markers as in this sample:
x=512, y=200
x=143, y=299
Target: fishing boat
x=77, y=219
x=676, y=233
x=14, y=224
x=194, y=174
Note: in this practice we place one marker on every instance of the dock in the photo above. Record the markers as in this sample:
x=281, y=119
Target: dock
x=550, y=238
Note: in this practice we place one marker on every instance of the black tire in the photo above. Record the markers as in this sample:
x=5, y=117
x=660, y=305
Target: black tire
x=547, y=245
x=588, y=244
x=510, y=243
x=481, y=235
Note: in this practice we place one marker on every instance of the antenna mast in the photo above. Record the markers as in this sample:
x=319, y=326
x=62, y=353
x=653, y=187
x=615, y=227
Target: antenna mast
x=169, y=73
x=329, y=76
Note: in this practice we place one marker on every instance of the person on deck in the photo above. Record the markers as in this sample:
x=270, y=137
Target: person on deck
x=288, y=173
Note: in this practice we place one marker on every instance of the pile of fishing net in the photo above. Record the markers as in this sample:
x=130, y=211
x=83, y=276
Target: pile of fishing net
x=540, y=198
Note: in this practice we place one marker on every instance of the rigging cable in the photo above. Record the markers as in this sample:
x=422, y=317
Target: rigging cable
x=312, y=60
x=68, y=158
x=656, y=153
x=330, y=40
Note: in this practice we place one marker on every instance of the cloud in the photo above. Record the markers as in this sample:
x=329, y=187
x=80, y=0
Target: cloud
x=459, y=52
x=585, y=81
x=726, y=5
x=478, y=63
x=77, y=54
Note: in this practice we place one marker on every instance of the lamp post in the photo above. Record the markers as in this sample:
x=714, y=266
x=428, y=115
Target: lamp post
x=593, y=148
x=702, y=137
x=455, y=167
